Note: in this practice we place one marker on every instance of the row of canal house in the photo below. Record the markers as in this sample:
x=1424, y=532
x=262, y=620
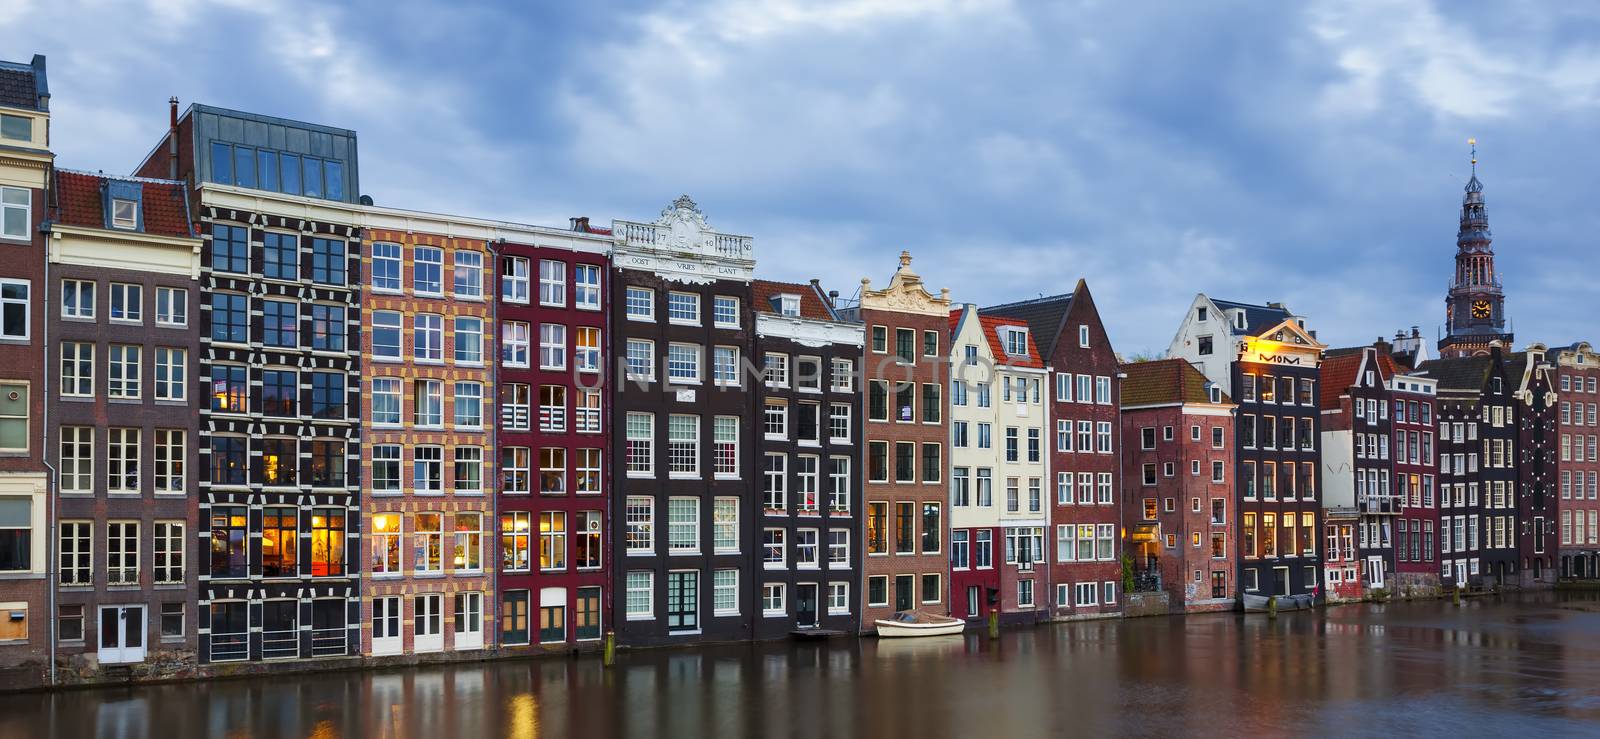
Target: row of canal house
x=247, y=416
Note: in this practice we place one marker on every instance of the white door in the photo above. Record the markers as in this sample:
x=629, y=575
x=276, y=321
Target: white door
x=122, y=630
x=1375, y=571
x=386, y=626
x=1461, y=573
x=429, y=623
x=469, y=621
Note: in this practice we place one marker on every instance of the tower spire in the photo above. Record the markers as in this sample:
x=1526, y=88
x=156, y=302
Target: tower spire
x=1475, y=305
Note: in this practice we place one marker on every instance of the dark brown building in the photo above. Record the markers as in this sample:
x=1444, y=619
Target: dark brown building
x=123, y=263
x=810, y=455
x=25, y=164
x=903, y=368
x=684, y=508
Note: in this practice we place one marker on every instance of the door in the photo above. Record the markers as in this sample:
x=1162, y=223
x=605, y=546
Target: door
x=429, y=622
x=805, y=605
x=1375, y=571
x=121, y=634
x=588, y=605
x=1280, y=580
x=974, y=601
x=683, y=602
x=1461, y=574
x=903, y=596
x=469, y=621
x=386, y=626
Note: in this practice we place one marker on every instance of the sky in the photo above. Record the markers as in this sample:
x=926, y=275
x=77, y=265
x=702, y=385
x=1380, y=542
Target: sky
x=1309, y=153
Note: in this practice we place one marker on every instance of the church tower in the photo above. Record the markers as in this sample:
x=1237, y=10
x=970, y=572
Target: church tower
x=1475, y=309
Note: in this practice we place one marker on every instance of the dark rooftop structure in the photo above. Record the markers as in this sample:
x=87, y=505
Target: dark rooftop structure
x=1043, y=315
x=24, y=85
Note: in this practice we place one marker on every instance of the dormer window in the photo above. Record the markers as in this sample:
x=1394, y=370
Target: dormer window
x=124, y=214
x=1200, y=315
x=1238, y=319
x=789, y=305
x=1015, y=340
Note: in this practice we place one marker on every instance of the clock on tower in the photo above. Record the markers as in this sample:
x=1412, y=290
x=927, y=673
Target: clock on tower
x=1480, y=309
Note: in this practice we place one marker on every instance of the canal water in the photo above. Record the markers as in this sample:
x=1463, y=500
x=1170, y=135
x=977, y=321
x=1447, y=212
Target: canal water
x=1525, y=666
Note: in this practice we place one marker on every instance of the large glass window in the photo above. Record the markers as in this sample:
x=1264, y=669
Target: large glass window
x=468, y=273
x=230, y=248
x=281, y=256
x=327, y=328
x=386, y=266
x=230, y=539
x=230, y=318
x=327, y=261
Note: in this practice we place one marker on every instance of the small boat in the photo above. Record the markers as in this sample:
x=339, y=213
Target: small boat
x=1258, y=603
x=918, y=623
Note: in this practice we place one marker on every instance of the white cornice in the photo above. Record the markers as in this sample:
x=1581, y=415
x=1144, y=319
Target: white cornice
x=809, y=331
x=96, y=247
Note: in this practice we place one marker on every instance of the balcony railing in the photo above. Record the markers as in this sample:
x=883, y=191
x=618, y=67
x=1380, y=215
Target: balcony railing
x=656, y=237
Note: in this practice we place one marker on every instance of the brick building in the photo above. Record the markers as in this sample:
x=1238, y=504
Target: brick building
x=124, y=260
x=553, y=440
x=1266, y=359
x=809, y=574
x=999, y=419
x=905, y=565
x=1533, y=372
x=280, y=362
x=25, y=167
x=684, y=513
x=1578, y=391
x=1086, y=419
x=426, y=453
x=1177, y=428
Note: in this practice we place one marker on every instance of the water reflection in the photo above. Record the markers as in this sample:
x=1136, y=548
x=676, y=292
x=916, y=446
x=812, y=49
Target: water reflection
x=1509, y=666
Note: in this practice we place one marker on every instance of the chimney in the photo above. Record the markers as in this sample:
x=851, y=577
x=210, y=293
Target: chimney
x=833, y=298
x=1383, y=347
x=172, y=138
x=580, y=224
x=1274, y=304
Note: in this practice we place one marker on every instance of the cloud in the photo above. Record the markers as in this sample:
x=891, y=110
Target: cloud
x=1308, y=154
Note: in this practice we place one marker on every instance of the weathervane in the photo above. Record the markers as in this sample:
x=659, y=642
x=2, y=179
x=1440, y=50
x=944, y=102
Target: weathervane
x=1473, y=142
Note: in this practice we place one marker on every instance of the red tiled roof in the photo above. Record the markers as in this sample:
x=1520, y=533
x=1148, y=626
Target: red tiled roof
x=1338, y=373
x=767, y=291
x=991, y=330
x=79, y=203
x=1162, y=382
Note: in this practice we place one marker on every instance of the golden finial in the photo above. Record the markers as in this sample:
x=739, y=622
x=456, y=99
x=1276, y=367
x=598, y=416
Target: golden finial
x=1473, y=142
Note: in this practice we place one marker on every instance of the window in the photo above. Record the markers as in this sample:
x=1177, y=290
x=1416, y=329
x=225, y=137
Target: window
x=385, y=401
x=427, y=336
x=230, y=248
x=77, y=299
x=514, y=340
x=469, y=469
x=281, y=256
x=640, y=521
x=280, y=323
x=228, y=460
x=122, y=460
x=468, y=274
x=427, y=469
x=327, y=395
x=230, y=533
x=931, y=404
x=552, y=471
x=468, y=405
x=586, y=349
x=552, y=282
x=725, y=311
x=725, y=525
x=683, y=308
x=280, y=540
x=385, y=267
x=16, y=213
x=469, y=340
x=386, y=328
x=327, y=542
x=775, y=369
x=683, y=445
x=327, y=261
x=76, y=552
x=514, y=279
x=230, y=318
x=683, y=525
x=122, y=553
x=514, y=543
x=122, y=371
x=428, y=403
x=683, y=363
x=640, y=303
x=640, y=435
x=552, y=346
x=586, y=287
x=16, y=128
x=170, y=451
x=773, y=550
x=386, y=468
x=552, y=541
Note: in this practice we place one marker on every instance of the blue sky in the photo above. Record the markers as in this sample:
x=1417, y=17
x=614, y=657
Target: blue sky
x=1309, y=153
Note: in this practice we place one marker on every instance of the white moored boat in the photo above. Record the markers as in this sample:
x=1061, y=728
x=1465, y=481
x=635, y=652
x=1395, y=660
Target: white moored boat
x=918, y=623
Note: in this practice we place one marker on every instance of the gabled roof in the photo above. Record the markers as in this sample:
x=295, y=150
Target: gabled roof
x=80, y=201
x=1338, y=372
x=1164, y=382
x=1257, y=318
x=1043, y=316
x=766, y=294
x=991, y=330
x=1462, y=373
